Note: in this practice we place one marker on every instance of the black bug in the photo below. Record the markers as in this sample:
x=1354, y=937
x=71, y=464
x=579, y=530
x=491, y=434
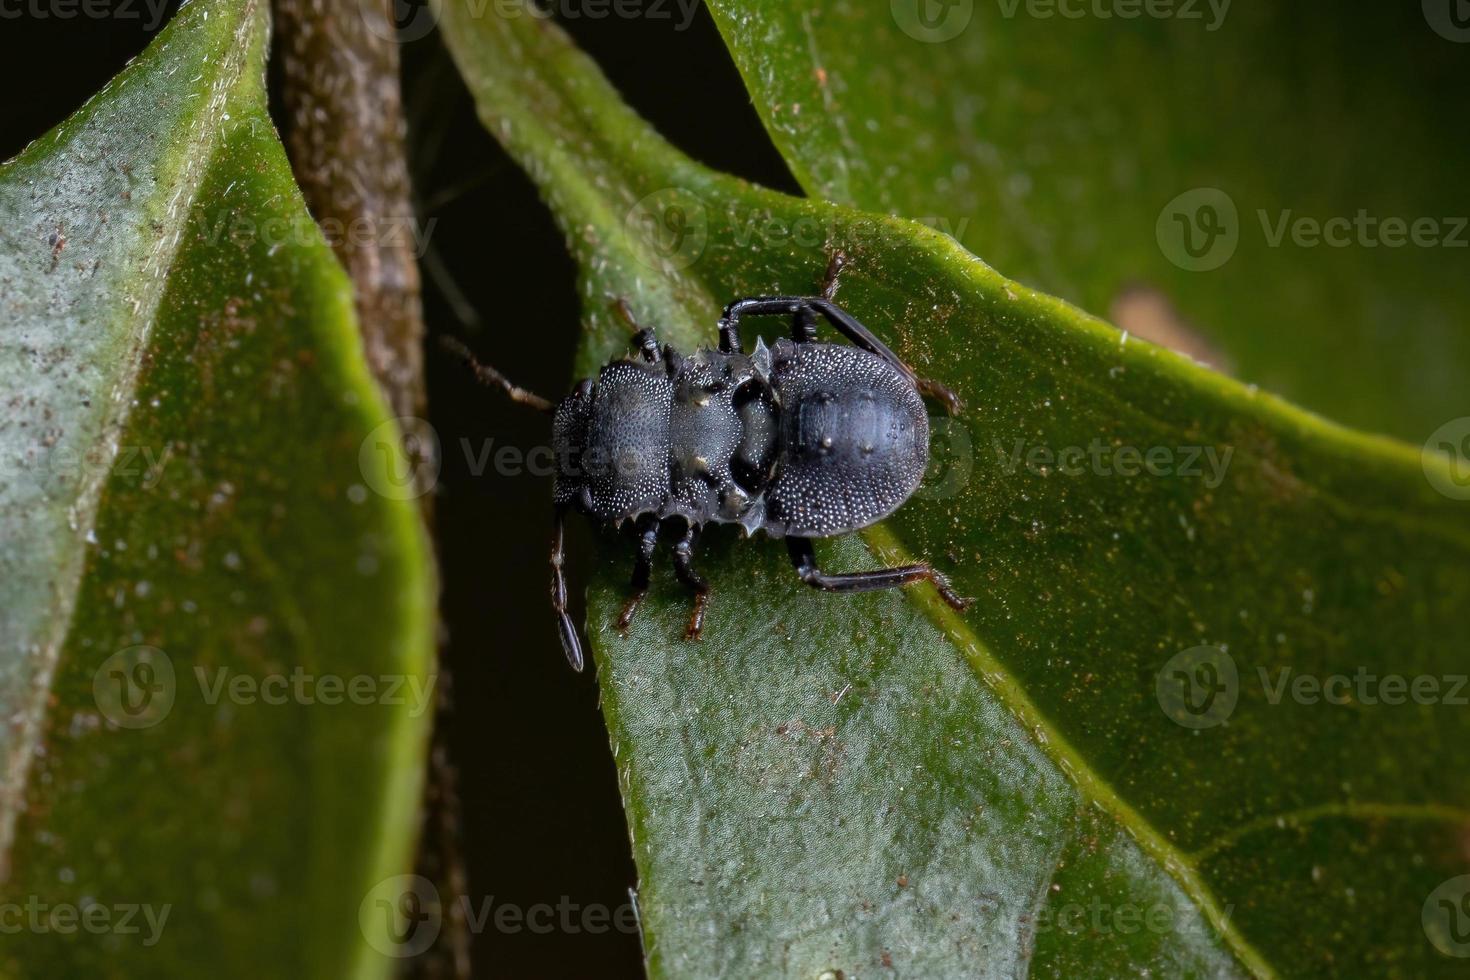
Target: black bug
x=800, y=440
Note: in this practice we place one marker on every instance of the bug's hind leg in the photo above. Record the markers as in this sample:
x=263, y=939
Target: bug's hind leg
x=571, y=645
x=930, y=388
x=804, y=557
x=647, y=528
x=684, y=568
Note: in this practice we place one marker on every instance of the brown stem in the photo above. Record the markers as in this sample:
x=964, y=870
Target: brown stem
x=345, y=136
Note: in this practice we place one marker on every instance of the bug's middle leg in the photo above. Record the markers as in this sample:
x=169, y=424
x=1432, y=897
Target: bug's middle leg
x=804, y=557
x=804, y=321
x=647, y=528
x=684, y=568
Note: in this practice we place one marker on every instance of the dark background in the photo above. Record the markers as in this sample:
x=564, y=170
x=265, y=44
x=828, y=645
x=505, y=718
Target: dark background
x=541, y=818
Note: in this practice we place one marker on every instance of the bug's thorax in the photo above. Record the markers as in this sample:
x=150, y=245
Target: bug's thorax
x=803, y=439
x=724, y=424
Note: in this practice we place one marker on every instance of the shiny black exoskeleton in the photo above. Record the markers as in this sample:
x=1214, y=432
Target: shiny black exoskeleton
x=801, y=440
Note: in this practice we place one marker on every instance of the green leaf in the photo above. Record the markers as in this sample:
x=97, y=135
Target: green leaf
x=1065, y=142
x=189, y=548
x=835, y=783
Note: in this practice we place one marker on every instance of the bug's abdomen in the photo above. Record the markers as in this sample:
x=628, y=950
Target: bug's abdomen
x=626, y=455
x=855, y=440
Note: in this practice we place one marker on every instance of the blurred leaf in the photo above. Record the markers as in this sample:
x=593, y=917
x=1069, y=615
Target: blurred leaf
x=1073, y=151
x=832, y=783
x=189, y=439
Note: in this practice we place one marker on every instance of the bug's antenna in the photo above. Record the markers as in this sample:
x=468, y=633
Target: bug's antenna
x=835, y=264
x=491, y=378
x=625, y=313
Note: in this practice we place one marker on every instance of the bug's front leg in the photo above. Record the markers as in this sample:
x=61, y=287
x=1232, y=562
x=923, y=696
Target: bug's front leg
x=647, y=528
x=571, y=645
x=684, y=568
x=645, y=341
x=804, y=557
